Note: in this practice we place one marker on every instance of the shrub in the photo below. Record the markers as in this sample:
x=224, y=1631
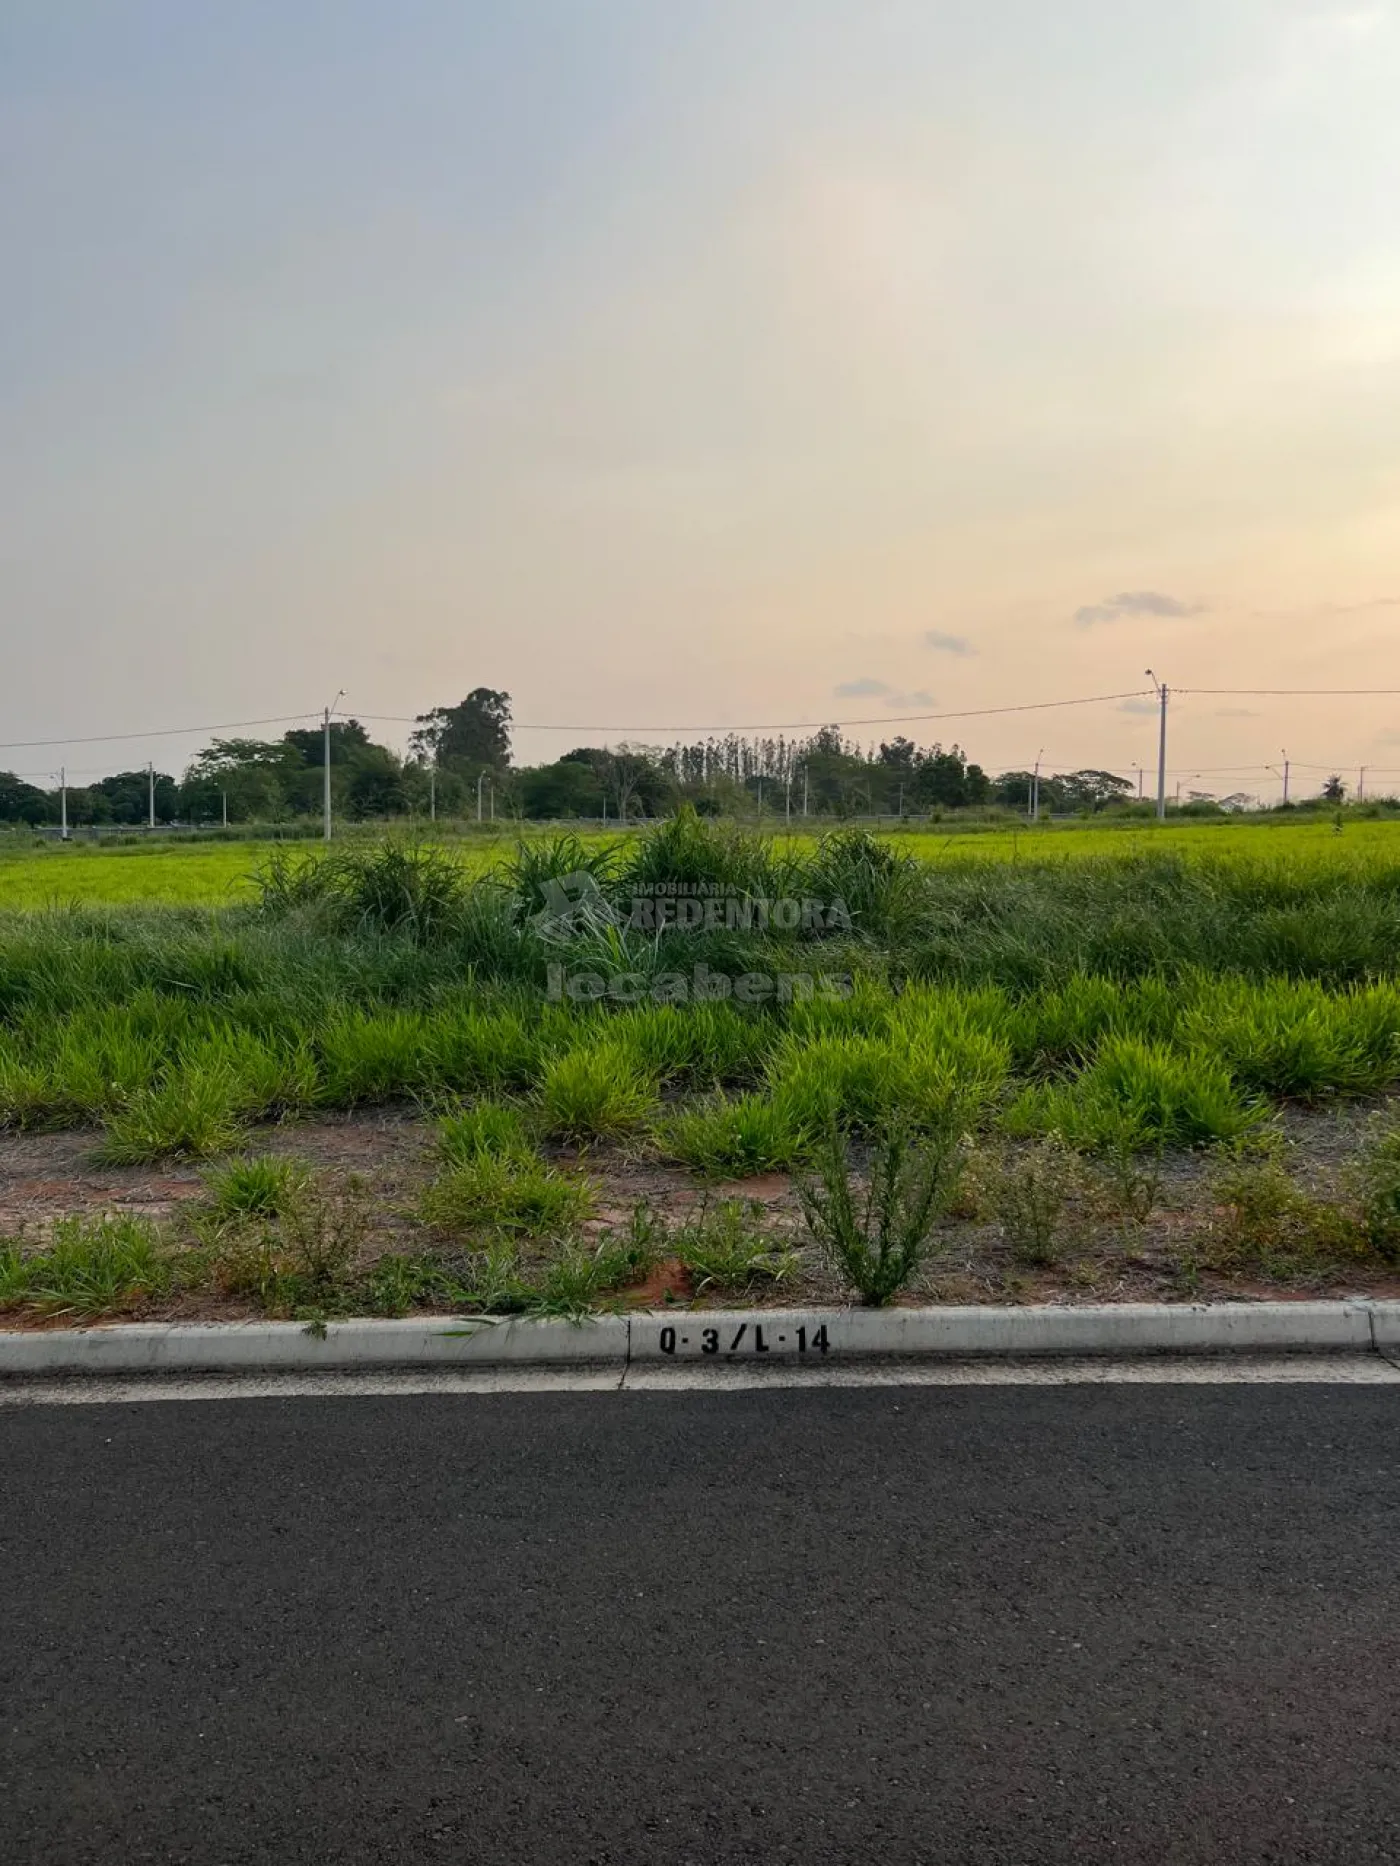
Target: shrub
x=876, y=1242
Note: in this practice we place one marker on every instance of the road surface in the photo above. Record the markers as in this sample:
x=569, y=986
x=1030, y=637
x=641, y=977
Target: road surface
x=1005, y=1624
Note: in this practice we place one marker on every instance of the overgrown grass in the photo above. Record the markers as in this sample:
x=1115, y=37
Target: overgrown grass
x=1150, y=999
x=89, y=1267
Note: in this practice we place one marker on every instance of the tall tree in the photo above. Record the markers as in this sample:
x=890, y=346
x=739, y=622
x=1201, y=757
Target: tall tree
x=474, y=733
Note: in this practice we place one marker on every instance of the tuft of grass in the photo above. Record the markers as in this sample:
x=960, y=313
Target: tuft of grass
x=192, y=1112
x=487, y=1130
x=301, y=1258
x=877, y=1241
x=372, y=1057
x=736, y=1138
x=599, y=1091
x=261, y=1187
x=728, y=1249
x=1138, y=1094
x=89, y=1267
x=489, y=1192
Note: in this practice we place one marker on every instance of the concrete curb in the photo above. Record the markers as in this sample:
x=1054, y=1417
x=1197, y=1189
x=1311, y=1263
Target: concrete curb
x=1118, y=1330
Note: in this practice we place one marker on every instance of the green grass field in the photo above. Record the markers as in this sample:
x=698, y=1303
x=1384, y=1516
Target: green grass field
x=212, y=874
x=1077, y=992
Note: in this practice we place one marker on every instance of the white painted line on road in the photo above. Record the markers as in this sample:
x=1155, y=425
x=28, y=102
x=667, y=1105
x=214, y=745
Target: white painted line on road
x=485, y=1382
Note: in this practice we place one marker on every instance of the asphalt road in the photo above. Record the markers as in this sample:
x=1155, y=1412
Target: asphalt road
x=1011, y=1624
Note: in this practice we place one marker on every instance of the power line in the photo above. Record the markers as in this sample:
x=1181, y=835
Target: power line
x=161, y=732
x=1305, y=693
x=797, y=725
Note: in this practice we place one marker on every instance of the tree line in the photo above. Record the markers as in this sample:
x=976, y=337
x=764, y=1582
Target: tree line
x=459, y=760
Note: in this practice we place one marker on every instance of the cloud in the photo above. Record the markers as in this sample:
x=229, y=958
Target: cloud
x=947, y=644
x=862, y=689
x=1138, y=706
x=917, y=698
x=1135, y=603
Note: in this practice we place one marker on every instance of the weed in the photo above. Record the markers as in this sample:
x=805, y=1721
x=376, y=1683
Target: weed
x=1376, y=1176
x=877, y=1241
x=193, y=1112
x=1138, y=1094
x=1029, y=1194
x=727, y=1249
x=1267, y=1222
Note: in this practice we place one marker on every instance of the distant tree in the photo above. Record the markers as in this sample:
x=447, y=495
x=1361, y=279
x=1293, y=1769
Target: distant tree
x=23, y=803
x=348, y=737
x=375, y=786
x=473, y=734
x=1091, y=790
x=252, y=775
x=1334, y=790
x=129, y=798
x=900, y=754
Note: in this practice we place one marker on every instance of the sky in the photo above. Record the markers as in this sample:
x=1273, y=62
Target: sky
x=677, y=364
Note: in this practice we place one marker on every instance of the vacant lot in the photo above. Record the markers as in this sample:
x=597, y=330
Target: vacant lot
x=1135, y=1064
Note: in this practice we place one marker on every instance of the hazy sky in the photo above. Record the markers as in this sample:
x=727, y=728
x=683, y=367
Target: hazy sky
x=704, y=361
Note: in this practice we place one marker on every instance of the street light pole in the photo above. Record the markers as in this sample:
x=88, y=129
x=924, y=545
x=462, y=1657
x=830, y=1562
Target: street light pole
x=1284, y=750
x=1161, y=747
x=326, y=759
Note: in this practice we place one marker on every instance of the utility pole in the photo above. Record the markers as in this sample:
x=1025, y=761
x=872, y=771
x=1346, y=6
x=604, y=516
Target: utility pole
x=480, y=780
x=223, y=794
x=901, y=803
x=1284, y=750
x=804, y=790
x=432, y=790
x=63, y=803
x=491, y=793
x=1361, y=785
x=1035, y=787
x=1161, y=687
x=326, y=759
x=151, y=795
